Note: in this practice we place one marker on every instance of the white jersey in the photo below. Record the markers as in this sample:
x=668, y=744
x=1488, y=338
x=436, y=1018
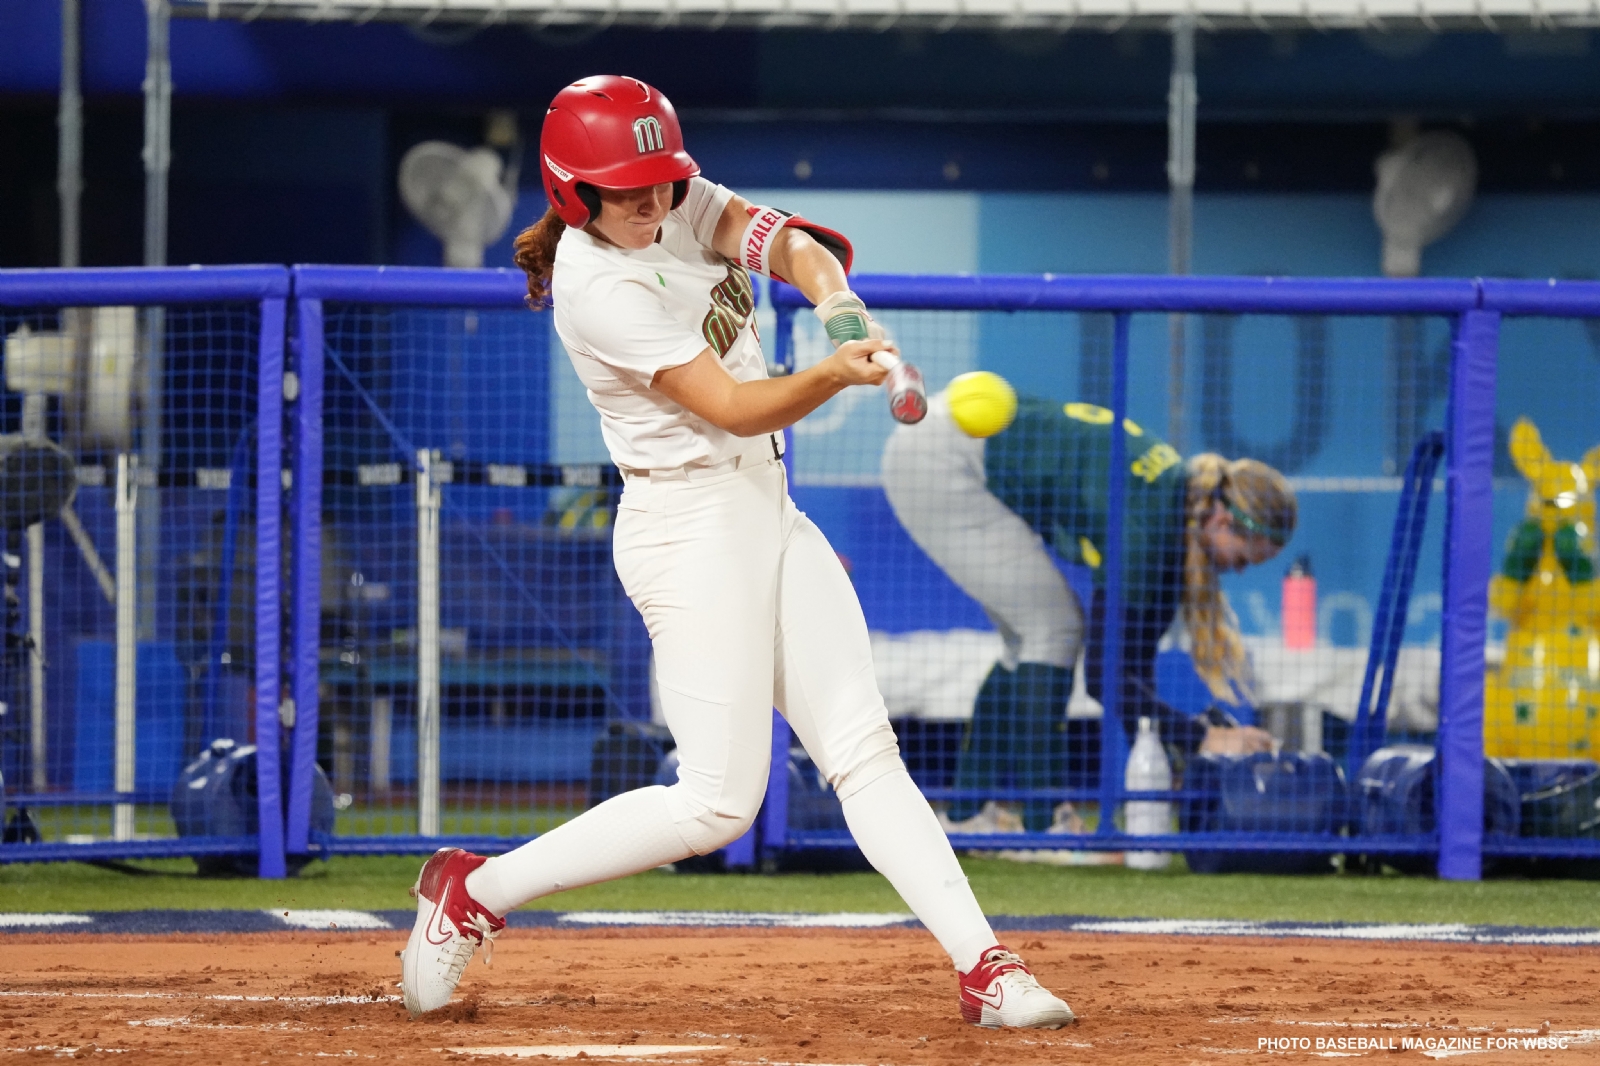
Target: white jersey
x=624, y=315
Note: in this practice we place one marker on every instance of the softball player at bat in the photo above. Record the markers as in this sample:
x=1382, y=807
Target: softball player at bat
x=746, y=604
x=988, y=511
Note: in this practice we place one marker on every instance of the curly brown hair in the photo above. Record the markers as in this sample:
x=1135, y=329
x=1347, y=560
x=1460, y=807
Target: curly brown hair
x=536, y=255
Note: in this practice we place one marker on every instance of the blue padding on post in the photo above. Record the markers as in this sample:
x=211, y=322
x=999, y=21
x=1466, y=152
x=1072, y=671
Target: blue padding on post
x=1113, y=744
x=1468, y=564
x=142, y=286
x=269, y=497
x=1329, y=296
x=307, y=555
x=412, y=286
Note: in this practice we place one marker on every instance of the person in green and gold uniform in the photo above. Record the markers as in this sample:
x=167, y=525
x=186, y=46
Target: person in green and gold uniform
x=990, y=512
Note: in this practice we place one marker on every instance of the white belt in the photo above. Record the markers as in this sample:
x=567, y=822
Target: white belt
x=766, y=448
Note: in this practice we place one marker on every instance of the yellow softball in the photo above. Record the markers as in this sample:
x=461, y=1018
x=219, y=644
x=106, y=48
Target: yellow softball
x=982, y=403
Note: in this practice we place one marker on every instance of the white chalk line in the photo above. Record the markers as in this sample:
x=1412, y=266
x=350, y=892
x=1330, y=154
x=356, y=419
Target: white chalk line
x=302, y=1000
x=330, y=919
x=1453, y=932
x=737, y=918
x=590, y=1051
x=13, y=920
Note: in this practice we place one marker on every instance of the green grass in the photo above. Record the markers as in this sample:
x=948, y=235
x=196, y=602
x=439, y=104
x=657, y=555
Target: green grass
x=454, y=820
x=1002, y=887
x=154, y=820
x=89, y=820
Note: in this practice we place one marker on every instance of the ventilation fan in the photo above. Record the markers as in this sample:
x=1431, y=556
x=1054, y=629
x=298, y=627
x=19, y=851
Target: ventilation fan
x=464, y=197
x=1424, y=187
x=89, y=366
x=96, y=390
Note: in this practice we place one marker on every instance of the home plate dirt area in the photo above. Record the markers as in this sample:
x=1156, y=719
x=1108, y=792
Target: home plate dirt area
x=774, y=996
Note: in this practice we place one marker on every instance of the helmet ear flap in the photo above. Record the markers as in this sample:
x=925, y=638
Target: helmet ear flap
x=680, y=189
x=590, y=198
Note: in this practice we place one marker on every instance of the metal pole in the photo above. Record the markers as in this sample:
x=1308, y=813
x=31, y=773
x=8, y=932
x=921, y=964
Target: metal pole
x=36, y=664
x=33, y=425
x=1182, y=101
x=428, y=503
x=127, y=640
x=157, y=163
x=69, y=189
x=157, y=129
x=69, y=126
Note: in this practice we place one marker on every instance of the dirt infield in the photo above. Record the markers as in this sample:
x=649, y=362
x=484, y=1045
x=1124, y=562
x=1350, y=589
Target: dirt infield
x=788, y=996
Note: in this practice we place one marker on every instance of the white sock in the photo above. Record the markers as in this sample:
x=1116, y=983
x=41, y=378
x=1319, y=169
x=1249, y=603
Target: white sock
x=899, y=834
x=622, y=836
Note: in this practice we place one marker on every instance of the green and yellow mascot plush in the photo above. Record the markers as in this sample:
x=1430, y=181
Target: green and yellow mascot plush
x=1543, y=701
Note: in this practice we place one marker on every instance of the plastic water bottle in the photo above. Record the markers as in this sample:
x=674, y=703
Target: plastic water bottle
x=1148, y=771
x=1300, y=605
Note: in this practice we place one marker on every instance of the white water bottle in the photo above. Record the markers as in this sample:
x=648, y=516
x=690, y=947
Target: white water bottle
x=1148, y=771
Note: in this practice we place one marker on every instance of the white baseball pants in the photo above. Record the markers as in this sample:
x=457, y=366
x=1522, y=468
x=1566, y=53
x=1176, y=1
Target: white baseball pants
x=933, y=475
x=748, y=608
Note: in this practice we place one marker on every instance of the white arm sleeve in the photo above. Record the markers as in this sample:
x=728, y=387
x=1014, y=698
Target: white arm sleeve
x=702, y=208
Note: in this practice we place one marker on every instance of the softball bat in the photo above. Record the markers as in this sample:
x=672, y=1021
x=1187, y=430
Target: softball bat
x=908, y=397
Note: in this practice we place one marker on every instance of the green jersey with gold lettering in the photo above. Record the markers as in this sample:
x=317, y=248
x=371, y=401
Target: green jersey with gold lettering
x=1052, y=467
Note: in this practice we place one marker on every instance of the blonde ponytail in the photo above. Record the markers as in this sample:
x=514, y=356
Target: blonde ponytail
x=1265, y=497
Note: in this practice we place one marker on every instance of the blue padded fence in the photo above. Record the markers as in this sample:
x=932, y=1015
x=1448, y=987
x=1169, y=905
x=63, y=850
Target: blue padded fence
x=544, y=649
x=387, y=409
x=181, y=369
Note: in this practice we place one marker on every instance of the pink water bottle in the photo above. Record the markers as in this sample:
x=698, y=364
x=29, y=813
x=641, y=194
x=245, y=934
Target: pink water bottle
x=1300, y=605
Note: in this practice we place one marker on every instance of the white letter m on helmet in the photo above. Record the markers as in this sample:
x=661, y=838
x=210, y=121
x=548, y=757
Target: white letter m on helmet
x=647, y=135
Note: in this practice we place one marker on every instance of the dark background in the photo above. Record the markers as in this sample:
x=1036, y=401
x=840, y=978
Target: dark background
x=287, y=136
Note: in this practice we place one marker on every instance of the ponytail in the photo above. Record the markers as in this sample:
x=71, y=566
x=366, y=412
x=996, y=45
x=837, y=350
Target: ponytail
x=1263, y=495
x=536, y=255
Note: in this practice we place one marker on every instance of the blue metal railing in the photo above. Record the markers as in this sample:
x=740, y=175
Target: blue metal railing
x=1475, y=307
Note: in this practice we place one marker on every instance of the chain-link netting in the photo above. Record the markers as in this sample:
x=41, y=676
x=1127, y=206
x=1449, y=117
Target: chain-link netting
x=1542, y=688
x=1253, y=594
x=128, y=510
x=540, y=659
x=1275, y=675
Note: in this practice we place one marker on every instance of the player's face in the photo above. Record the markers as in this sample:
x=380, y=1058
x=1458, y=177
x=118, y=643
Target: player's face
x=1230, y=550
x=632, y=217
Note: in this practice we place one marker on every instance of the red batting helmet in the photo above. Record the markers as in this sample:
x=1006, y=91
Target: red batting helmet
x=610, y=133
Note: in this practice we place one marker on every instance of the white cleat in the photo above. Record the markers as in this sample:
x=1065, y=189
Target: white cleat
x=1000, y=992
x=450, y=925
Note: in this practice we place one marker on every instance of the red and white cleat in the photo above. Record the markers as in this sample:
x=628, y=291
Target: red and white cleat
x=450, y=926
x=1000, y=992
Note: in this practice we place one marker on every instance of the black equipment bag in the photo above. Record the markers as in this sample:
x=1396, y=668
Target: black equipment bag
x=1395, y=795
x=216, y=796
x=1262, y=794
x=625, y=757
